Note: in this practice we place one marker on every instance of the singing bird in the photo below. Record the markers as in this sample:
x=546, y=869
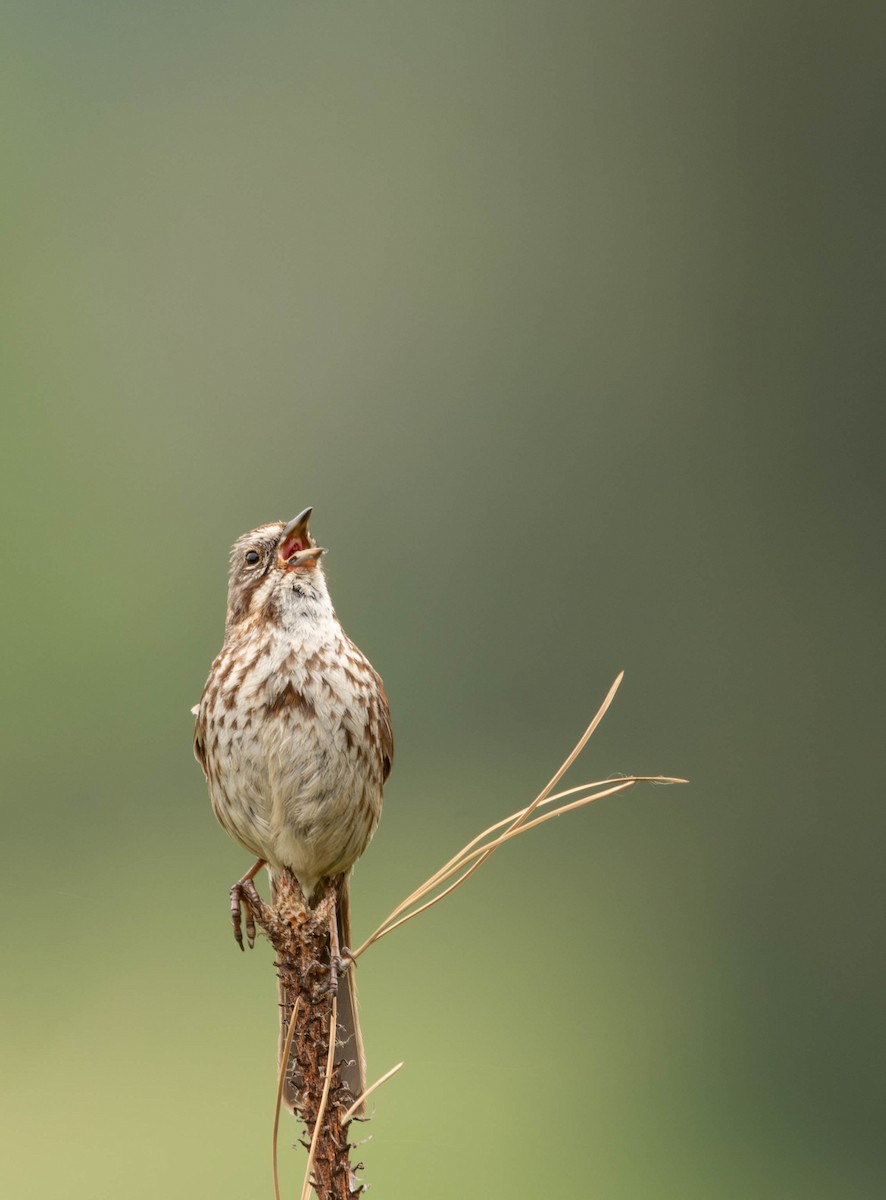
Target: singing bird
x=294, y=737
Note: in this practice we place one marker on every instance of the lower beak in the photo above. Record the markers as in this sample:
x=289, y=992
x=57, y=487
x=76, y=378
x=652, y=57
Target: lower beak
x=302, y=558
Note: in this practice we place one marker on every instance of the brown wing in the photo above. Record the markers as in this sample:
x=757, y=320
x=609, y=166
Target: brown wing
x=380, y=713
x=386, y=732
x=200, y=746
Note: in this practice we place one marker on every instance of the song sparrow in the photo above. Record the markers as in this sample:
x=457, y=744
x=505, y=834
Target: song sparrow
x=294, y=735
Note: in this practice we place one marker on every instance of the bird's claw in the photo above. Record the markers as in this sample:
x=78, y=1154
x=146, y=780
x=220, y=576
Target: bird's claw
x=244, y=896
x=344, y=960
x=338, y=965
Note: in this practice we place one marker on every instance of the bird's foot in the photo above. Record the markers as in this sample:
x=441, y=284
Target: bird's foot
x=344, y=960
x=244, y=897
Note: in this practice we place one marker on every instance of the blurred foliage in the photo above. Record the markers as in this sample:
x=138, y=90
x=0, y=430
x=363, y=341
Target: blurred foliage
x=567, y=319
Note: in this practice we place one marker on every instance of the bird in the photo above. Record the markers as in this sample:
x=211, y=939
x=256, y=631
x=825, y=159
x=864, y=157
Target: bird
x=293, y=733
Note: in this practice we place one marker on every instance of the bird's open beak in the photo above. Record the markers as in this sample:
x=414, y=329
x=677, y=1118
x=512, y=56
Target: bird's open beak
x=294, y=548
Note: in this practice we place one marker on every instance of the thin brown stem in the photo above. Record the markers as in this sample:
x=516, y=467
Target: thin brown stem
x=281, y=1076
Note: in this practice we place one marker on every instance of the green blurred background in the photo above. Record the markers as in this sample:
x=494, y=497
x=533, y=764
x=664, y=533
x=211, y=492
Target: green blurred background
x=568, y=320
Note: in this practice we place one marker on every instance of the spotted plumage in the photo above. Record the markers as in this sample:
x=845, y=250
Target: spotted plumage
x=293, y=730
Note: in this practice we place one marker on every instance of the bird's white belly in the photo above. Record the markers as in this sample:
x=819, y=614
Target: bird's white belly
x=295, y=797
x=296, y=775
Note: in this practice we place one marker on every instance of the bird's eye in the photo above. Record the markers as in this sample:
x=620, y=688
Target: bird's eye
x=252, y=556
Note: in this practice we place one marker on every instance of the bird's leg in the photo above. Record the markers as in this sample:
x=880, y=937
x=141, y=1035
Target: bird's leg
x=244, y=895
x=329, y=908
x=334, y=955
x=340, y=957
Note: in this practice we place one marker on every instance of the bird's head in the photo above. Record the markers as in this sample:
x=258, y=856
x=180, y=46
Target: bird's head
x=275, y=569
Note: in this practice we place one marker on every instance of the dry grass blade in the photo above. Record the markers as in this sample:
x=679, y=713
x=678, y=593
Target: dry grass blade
x=480, y=856
x=542, y=798
x=284, y=1062
x=321, y=1112
x=472, y=856
x=579, y=746
x=457, y=861
x=384, y=1079
x=448, y=869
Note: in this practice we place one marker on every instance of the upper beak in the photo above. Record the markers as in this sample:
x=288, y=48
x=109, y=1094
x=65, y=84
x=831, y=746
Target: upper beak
x=297, y=527
x=294, y=548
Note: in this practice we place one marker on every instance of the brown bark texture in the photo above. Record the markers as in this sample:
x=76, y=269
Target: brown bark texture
x=301, y=939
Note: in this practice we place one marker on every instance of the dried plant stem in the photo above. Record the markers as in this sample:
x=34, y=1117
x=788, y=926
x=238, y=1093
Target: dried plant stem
x=300, y=937
x=324, y=1100
x=281, y=1078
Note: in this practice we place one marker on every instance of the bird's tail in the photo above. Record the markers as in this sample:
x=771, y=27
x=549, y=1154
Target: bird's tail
x=349, y=1040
